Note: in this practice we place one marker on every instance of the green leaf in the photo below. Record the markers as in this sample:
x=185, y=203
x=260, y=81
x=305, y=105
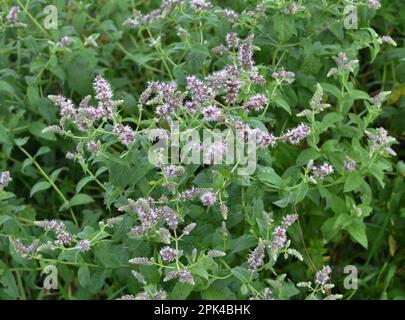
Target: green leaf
x=80, y=185
x=353, y=182
x=83, y=275
x=267, y=174
x=357, y=229
x=242, y=274
x=80, y=199
x=181, y=291
x=282, y=103
x=4, y=219
x=39, y=186
x=6, y=87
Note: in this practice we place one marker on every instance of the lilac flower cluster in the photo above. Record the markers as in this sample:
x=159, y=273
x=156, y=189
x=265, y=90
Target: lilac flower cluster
x=291, y=8
x=256, y=257
x=214, y=152
x=199, y=90
x=185, y=276
x=215, y=254
x=296, y=135
x=246, y=53
x=323, y=276
x=125, y=134
x=12, y=17
x=85, y=116
x=280, y=233
x=149, y=215
x=374, y=4
x=65, y=41
x=320, y=172
x=189, y=194
x=172, y=171
x=200, y=4
x=381, y=141
x=208, y=198
x=264, y=139
x=343, y=64
x=349, y=164
x=387, y=39
x=5, y=179
x=23, y=250
x=283, y=75
x=64, y=238
x=168, y=254
x=256, y=103
x=83, y=245
x=212, y=113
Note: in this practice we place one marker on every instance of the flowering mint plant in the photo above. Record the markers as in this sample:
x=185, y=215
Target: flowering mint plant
x=200, y=150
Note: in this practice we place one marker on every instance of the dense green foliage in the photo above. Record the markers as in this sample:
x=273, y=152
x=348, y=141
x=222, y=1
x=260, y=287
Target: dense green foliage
x=343, y=84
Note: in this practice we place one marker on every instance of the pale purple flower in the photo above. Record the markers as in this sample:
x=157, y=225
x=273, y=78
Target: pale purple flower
x=220, y=49
x=256, y=103
x=160, y=295
x=170, y=217
x=93, y=146
x=104, y=95
x=22, y=249
x=323, y=276
x=200, y=4
x=381, y=141
x=70, y=156
x=172, y=171
x=264, y=139
x=289, y=219
x=199, y=90
x=389, y=40
x=231, y=15
x=67, y=108
x=168, y=254
x=212, y=113
x=279, y=238
x=185, y=277
x=291, y=8
x=5, y=179
x=256, y=257
x=187, y=229
x=138, y=276
x=208, y=198
x=256, y=78
x=296, y=135
x=143, y=261
x=12, y=17
x=349, y=164
x=189, y=194
x=343, y=64
x=125, y=134
x=65, y=41
x=171, y=275
x=233, y=86
x=214, y=152
x=83, y=245
x=215, y=254
x=374, y=4
x=127, y=297
x=283, y=75
x=322, y=171
x=246, y=53
x=232, y=40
